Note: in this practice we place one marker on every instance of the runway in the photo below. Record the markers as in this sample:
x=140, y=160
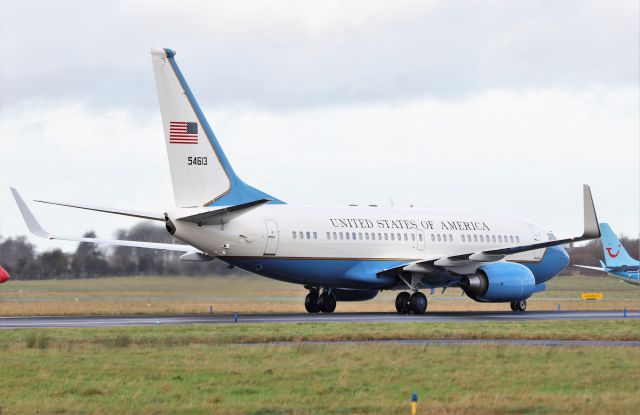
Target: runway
x=153, y=320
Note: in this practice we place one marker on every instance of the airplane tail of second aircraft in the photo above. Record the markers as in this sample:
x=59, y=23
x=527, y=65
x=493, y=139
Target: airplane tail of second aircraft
x=200, y=172
x=614, y=253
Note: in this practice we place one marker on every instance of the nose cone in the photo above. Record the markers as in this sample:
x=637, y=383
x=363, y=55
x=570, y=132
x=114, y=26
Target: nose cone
x=4, y=275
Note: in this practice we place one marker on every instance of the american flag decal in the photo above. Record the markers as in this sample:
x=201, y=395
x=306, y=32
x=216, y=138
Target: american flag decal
x=183, y=132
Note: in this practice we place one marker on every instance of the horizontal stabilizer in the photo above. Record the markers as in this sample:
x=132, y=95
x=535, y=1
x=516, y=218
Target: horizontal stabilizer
x=132, y=213
x=37, y=229
x=222, y=215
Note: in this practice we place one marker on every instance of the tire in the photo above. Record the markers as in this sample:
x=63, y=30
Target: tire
x=418, y=303
x=402, y=302
x=311, y=302
x=520, y=305
x=327, y=303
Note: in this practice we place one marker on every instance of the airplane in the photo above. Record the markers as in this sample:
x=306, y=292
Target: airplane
x=617, y=262
x=4, y=275
x=346, y=253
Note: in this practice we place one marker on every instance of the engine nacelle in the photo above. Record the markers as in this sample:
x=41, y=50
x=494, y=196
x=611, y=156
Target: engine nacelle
x=499, y=282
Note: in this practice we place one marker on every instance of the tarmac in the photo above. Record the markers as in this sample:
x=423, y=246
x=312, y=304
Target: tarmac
x=186, y=319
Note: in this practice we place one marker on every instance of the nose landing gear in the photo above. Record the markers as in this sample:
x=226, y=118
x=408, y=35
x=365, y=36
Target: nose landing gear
x=415, y=303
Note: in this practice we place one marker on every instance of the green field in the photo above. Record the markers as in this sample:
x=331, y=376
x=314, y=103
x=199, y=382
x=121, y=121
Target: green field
x=212, y=369
x=227, y=369
x=246, y=294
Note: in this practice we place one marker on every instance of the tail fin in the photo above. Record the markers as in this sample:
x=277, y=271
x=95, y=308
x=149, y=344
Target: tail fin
x=614, y=253
x=200, y=172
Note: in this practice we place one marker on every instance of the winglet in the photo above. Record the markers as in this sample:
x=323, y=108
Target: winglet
x=591, y=228
x=28, y=217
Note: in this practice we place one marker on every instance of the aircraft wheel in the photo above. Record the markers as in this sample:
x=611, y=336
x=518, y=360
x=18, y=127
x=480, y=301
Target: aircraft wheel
x=402, y=302
x=418, y=303
x=311, y=302
x=327, y=303
x=520, y=305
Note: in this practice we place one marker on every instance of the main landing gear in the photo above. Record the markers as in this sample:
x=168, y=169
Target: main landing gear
x=315, y=302
x=520, y=305
x=415, y=303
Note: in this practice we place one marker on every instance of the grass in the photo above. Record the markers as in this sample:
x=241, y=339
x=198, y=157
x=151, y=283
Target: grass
x=251, y=333
x=134, y=371
x=246, y=294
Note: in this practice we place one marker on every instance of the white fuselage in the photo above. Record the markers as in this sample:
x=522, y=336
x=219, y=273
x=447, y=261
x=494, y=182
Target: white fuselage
x=286, y=231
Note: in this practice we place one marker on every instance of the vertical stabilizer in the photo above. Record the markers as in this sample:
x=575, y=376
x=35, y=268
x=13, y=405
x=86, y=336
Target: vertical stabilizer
x=200, y=172
x=614, y=253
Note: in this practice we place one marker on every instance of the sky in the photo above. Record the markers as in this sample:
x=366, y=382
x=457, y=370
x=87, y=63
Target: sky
x=492, y=105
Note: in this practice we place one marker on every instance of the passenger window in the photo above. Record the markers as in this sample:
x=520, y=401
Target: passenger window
x=499, y=238
x=348, y=235
x=413, y=236
x=366, y=236
x=439, y=238
x=462, y=238
x=341, y=236
x=360, y=235
x=406, y=238
x=475, y=238
x=386, y=236
x=301, y=234
x=335, y=235
x=433, y=237
x=481, y=238
x=379, y=236
x=315, y=235
x=511, y=238
x=293, y=234
x=399, y=237
x=517, y=238
x=373, y=236
x=328, y=235
x=353, y=235
x=393, y=237
x=308, y=235
x=450, y=238
x=420, y=237
x=493, y=238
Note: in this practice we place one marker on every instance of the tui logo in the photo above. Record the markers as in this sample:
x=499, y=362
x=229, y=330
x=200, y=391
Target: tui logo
x=611, y=254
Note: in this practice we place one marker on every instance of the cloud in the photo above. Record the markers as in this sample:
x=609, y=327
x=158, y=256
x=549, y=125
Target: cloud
x=290, y=54
x=520, y=154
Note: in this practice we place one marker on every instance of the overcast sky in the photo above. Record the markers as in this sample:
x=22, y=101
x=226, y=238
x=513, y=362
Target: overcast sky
x=492, y=105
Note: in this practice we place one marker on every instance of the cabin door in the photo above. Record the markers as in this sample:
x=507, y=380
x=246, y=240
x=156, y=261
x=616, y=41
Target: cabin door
x=272, y=237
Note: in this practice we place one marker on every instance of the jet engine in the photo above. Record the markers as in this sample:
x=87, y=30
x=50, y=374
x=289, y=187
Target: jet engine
x=499, y=282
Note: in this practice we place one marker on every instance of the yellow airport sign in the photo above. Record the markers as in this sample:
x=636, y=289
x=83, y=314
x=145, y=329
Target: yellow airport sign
x=592, y=296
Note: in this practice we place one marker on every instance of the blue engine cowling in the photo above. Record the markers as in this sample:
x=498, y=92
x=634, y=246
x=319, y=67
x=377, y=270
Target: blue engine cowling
x=499, y=282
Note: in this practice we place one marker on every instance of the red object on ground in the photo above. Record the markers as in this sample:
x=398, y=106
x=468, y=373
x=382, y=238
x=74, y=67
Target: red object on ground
x=4, y=275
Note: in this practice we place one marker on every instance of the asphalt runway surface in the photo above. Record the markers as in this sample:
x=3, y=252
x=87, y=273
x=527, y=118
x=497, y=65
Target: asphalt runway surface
x=154, y=320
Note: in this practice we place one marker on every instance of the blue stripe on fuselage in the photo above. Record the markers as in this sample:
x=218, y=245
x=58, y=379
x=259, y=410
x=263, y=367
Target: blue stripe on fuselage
x=355, y=273
x=343, y=273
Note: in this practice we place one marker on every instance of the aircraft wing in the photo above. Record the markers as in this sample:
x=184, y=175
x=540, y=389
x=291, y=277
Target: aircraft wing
x=473, y=259
x=589, y=267
x=37, y=229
